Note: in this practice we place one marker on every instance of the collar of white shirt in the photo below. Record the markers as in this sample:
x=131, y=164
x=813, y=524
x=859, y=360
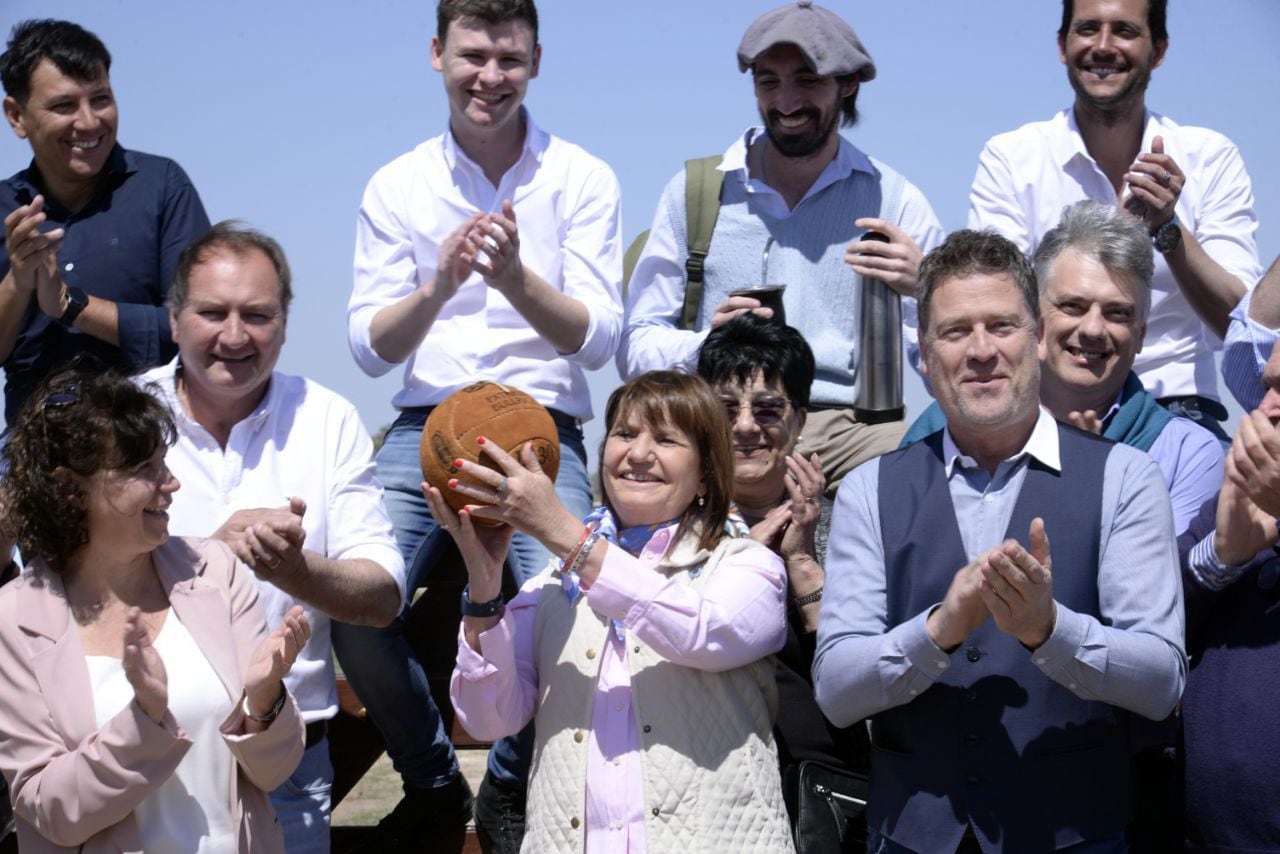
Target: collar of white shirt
x=1070, y=144
x=1041, y=444
x=535, y=145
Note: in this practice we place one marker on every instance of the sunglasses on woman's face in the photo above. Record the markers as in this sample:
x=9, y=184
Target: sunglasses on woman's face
x=766, y=412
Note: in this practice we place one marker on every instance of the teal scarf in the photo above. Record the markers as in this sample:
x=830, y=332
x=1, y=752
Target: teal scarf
x=1137, y=422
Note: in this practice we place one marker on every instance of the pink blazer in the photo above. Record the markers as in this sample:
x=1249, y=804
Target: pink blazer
x=75, y=785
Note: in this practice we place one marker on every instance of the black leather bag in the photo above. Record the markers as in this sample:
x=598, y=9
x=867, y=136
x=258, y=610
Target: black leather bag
x=831, y=810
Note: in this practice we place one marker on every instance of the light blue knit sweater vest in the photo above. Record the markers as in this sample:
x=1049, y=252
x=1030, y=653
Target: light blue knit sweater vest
x=822, y=296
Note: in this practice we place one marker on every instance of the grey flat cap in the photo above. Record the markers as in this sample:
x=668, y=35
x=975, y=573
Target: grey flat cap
x=831, y=46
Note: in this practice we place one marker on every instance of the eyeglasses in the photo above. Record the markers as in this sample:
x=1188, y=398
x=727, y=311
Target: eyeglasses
x=766, y=413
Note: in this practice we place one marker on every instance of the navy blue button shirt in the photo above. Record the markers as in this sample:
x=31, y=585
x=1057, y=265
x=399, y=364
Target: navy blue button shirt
x=123, y=246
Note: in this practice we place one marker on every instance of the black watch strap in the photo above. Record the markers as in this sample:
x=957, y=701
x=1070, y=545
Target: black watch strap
x=491, y=608
x=1168, y=237
x=76, y=302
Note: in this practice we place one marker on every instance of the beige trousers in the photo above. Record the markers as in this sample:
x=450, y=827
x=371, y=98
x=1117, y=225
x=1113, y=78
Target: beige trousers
x=843, y=443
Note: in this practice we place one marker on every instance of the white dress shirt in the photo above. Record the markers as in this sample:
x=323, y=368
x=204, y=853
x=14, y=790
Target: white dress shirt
x=655, y=297
x=1027, y=176
x=302, y=440
x=567, y=209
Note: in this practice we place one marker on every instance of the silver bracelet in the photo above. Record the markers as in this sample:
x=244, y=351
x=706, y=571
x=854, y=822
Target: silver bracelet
x=808, y=598
x=269, y=716
x=581, y=557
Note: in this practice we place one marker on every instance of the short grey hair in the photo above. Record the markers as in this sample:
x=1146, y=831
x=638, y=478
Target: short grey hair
x=1117, y=241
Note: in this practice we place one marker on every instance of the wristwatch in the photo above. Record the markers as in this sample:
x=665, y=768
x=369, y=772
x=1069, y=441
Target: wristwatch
x=1168, y=237
x=76, y=301
x=492, y=608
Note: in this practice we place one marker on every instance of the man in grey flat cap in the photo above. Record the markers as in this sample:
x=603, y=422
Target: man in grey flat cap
x=798, y=182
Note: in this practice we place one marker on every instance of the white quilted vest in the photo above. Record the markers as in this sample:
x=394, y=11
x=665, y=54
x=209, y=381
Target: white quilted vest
x=709, y=762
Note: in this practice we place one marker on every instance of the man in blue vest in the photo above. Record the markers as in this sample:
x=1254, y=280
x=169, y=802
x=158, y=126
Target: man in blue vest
x=998, y=669
x=1094, y=268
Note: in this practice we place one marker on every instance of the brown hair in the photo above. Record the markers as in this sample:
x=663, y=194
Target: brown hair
x=686, y=402
x=490, y=11
x=80, y=422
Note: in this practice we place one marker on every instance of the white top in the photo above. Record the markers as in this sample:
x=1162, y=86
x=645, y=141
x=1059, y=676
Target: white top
x=567, y=210
x=303, y=440
x=190, y=812
x=656, y=292
x=1027, y=176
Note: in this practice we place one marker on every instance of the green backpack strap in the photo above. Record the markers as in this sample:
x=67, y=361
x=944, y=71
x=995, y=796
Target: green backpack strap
x=629, y=259
x=702, y=184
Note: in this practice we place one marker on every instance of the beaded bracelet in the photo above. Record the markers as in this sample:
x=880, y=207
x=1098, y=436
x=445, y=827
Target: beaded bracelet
x=573, y=553
x=581, y=557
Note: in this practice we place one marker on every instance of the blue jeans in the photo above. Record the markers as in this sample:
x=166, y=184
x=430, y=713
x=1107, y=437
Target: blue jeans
x=302, y=802
x=380, y=664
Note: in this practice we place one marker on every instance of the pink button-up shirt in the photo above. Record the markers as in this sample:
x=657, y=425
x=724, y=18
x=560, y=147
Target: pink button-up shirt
x=738, y=617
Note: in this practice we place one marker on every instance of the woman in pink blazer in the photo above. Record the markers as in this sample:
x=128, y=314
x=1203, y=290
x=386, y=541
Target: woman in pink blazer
x=142, y=706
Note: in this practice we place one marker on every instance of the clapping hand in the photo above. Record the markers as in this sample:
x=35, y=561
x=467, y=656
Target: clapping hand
x=273, y=659
x=268, y=539
x=1154, y=182
x=33, y=255
x=1087, y=420
x=496, y=238
x=1017, y=587
x=143, y=667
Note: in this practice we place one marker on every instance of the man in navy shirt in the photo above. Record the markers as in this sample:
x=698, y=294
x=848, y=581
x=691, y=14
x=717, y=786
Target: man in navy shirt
x=92, y=231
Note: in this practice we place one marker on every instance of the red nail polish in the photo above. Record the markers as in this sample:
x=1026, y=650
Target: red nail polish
x=453, y=483
x=479, y=440
x=457, y=463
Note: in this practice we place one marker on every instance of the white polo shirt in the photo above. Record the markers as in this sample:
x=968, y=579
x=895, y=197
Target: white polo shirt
x=303, y=440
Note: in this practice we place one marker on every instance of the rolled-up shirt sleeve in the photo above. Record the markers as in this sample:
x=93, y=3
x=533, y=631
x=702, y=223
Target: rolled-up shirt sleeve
x=360, y=527
x=385, y=269
x=143, y=329
x=863, y=666
x=1226, y=225
x=652, y=339
x=1245, y=352
x=592, y=248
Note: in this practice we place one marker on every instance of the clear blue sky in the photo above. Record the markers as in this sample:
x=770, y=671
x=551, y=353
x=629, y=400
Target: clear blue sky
x=281, y=110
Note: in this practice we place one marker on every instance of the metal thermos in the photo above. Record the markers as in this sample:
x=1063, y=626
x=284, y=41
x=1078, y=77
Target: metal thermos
x=880, y=367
